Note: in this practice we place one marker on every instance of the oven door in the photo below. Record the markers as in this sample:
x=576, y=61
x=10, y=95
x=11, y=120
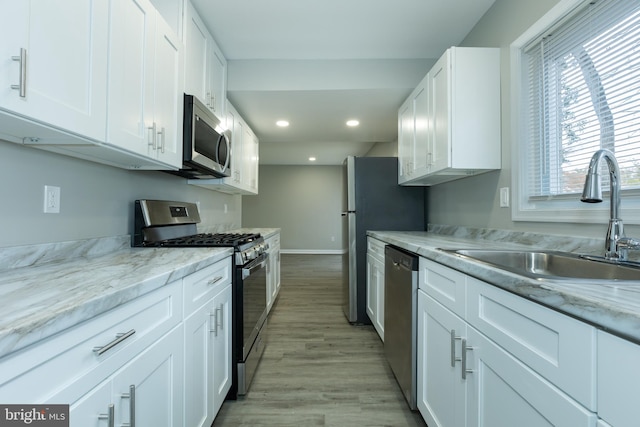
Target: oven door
x=254, y=300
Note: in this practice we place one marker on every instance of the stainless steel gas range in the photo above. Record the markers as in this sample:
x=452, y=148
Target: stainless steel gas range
x=168, y=224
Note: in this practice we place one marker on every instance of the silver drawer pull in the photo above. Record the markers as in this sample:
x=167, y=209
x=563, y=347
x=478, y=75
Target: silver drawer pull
x=22, y=85
x=214, y=280
x=119, y=338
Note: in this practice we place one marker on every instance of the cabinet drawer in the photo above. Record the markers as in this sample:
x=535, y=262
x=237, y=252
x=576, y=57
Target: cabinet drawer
x=202, y=285
x=38, y=371
x=375, y=248
x=445, y=285
x=274, y=241
x=557, y=347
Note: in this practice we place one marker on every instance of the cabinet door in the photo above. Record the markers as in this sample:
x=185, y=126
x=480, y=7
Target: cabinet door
x=372, y=291
x=379, y=283
x=222, y=347
x=92, y=410
x=131, y=61
x=405, y=140
x=441, y=390
x=197, y=48
x=440, y=110
x=237, y=127
x=168, y=96
x=618, y=380
x=198, y=349
x=503, y=392
x=250, y=159
x=156, y=378
x=218, y=80
x=65, y=63
x=421, y=123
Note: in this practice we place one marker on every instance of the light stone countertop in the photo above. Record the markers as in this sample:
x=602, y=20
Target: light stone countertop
x=42, y=299
x=613, y=307
x=48, y=288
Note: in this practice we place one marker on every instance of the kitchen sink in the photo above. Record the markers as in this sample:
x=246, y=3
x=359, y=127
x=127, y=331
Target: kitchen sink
x=553, y=265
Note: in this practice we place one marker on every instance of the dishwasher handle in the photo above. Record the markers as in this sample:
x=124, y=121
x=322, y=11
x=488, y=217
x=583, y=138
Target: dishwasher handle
x=400, y=259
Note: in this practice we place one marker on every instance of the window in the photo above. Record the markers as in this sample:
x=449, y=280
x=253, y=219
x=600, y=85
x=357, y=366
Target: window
x=579, y=92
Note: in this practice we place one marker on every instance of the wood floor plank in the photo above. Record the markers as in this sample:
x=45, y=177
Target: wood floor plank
x=317, y=369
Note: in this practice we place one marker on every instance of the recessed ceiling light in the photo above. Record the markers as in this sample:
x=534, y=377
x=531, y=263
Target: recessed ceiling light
x=312, y=159
x=353, y=123
x=282, y=123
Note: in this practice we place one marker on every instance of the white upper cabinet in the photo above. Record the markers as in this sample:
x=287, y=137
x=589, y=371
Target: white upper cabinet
x=413, y=134
x=145, y=83
x=450, y=127
x=54, y=64
x=206, y=67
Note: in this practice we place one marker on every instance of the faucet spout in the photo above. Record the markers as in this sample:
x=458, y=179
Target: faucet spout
x=592, y=193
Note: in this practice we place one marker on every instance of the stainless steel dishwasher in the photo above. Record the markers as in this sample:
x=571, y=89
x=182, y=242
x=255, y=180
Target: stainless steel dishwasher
x=400, y=318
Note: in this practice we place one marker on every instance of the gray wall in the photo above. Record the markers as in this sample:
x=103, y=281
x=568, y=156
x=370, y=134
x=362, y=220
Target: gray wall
x=303, y=201
x=96, y=200
x=474, y=201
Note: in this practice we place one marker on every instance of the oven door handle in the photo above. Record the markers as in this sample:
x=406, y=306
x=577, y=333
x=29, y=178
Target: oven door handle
x=255, y=265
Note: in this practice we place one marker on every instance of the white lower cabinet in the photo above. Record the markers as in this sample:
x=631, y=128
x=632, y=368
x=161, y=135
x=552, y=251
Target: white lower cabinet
x=162, y=359
x=207, y=343
x=146, y=391
x=273, y=270
x=441, y=391
x=502, y=360
x=375, y=284
x=618, y=381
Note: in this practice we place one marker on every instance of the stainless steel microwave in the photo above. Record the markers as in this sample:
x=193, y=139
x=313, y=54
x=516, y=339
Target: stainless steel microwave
x=206, y=145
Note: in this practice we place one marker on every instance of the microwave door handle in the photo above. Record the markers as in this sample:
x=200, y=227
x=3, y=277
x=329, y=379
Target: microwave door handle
x=223, y=140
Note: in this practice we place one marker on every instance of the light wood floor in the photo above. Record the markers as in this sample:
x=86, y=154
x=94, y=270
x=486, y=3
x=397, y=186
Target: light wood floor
x=317, y=369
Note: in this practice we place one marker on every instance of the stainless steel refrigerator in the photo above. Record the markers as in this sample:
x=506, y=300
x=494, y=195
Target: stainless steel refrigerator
x=372, y=200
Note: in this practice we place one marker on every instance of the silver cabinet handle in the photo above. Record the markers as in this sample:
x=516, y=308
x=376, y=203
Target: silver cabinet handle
x=109, y=416
x=153, y=142
x=22, y=85
x=214, y=280
x=132, y=406
x=454, y=338
x=161, y=137
x=465, y=348
x=208, y=99
x=119, y=338
x=213, y=320
x=220, y=318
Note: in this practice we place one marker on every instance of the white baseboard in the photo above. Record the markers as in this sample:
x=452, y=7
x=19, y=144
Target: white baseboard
x=313, y=251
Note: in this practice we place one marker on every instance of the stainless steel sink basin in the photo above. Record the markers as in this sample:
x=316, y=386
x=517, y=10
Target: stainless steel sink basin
x=553, y=265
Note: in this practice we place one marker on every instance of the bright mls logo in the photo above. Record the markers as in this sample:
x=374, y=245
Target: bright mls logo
x=34, y=415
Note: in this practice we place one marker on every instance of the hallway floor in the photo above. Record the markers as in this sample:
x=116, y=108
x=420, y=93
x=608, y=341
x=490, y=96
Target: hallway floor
x=317, y=369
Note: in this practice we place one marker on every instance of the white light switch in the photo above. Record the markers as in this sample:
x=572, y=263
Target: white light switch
x=504, y=197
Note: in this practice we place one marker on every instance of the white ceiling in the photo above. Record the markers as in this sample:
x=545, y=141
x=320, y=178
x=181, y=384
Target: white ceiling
x=318, y=63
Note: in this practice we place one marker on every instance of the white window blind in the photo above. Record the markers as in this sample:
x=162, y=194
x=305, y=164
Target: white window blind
x=583, y=84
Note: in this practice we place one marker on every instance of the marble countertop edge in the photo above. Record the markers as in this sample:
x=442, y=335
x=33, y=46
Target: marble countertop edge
x=613, y=307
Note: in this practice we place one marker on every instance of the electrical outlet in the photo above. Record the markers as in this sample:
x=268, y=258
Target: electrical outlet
x=504, y=197
x=51, y=199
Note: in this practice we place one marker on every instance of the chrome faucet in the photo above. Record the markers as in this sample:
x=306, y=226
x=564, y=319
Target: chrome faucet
x=616, y=244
